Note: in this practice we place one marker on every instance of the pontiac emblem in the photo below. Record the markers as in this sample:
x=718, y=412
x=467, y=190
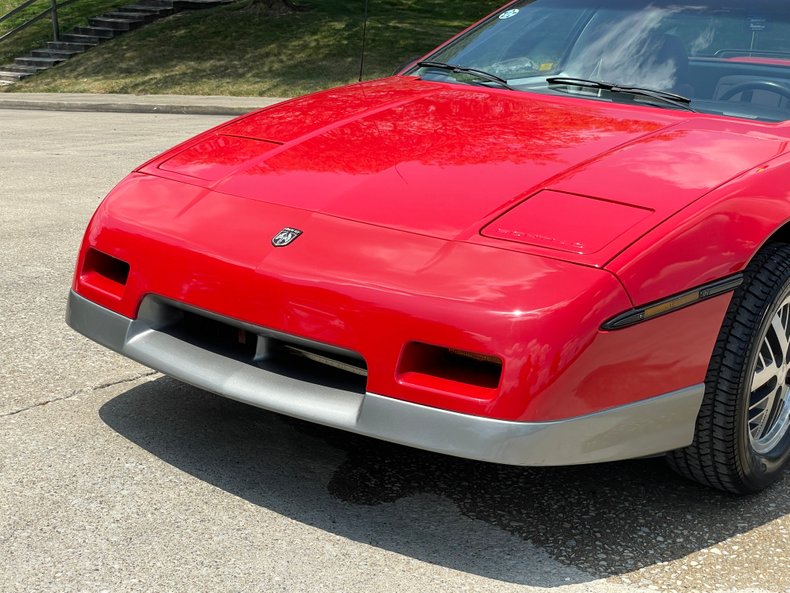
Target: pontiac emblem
x=286, y=237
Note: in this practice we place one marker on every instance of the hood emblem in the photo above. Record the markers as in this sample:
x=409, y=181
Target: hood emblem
x=286, y=237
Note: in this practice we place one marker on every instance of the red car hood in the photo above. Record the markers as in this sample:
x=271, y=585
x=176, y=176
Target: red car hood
x=446, y=160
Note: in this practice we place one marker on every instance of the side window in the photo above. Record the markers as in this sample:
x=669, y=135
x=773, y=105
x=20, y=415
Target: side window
x=774, y=38
x=731, y=35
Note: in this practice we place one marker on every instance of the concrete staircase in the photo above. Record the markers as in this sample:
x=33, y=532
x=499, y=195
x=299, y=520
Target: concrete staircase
x=99, y=29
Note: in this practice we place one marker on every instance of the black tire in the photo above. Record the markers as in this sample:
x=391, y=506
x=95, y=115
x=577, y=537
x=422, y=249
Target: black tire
x=726, y=453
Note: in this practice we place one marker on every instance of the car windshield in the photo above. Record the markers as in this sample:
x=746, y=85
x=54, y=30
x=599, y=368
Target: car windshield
x=724, y=57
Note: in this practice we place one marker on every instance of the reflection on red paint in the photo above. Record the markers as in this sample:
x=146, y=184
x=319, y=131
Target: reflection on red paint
x=216, y=157
x=392, y=183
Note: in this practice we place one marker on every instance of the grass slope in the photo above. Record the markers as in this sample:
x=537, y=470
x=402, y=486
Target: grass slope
x=237, y=50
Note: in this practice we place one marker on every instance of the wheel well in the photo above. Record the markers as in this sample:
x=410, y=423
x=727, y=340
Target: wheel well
x=781, y=235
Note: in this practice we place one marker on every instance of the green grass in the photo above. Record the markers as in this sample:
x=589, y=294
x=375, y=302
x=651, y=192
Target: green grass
x=235, y=50
x=37, y=34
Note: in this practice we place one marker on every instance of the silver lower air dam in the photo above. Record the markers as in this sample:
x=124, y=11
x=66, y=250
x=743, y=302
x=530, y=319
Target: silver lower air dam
x=644, y=428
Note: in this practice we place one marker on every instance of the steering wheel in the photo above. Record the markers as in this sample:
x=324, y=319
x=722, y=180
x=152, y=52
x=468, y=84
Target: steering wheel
x=757, y=85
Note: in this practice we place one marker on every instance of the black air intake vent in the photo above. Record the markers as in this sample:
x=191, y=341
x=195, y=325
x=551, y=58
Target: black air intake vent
x=290, y=356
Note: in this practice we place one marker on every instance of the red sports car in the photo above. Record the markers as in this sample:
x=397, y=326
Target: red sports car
x=563, y=237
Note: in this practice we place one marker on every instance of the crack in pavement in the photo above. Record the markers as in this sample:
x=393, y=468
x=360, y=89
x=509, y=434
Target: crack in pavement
x=77, y=392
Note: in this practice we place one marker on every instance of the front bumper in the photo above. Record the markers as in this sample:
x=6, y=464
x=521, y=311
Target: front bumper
x=644, y=428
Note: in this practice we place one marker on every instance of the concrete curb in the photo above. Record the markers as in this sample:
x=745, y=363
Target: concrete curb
x=167, y=104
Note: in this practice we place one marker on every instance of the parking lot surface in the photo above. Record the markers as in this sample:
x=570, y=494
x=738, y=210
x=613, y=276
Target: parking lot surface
x=115, y=478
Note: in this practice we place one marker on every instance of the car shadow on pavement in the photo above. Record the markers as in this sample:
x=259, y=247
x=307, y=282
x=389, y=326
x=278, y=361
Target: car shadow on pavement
x=536, y=526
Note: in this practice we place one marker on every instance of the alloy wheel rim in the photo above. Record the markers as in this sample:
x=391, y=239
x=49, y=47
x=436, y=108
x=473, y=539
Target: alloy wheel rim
x=768, y=415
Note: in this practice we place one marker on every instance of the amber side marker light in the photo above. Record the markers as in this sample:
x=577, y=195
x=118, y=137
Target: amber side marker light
x=673, y=303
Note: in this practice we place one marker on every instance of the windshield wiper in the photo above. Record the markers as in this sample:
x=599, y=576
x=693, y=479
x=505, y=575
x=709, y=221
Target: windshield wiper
x=481, y=74
x=678, y=101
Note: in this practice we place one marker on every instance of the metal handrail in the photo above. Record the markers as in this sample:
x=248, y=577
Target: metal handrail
x=52, y=11
x=13, y=11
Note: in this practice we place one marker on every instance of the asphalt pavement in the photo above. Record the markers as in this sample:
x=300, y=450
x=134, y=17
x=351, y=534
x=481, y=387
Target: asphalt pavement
x=115, y=478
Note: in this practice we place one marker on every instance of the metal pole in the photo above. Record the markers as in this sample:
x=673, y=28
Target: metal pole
x=364, y=42
x=55, y=24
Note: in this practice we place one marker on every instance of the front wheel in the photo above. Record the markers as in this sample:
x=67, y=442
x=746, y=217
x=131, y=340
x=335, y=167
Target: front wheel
x=742, y=438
